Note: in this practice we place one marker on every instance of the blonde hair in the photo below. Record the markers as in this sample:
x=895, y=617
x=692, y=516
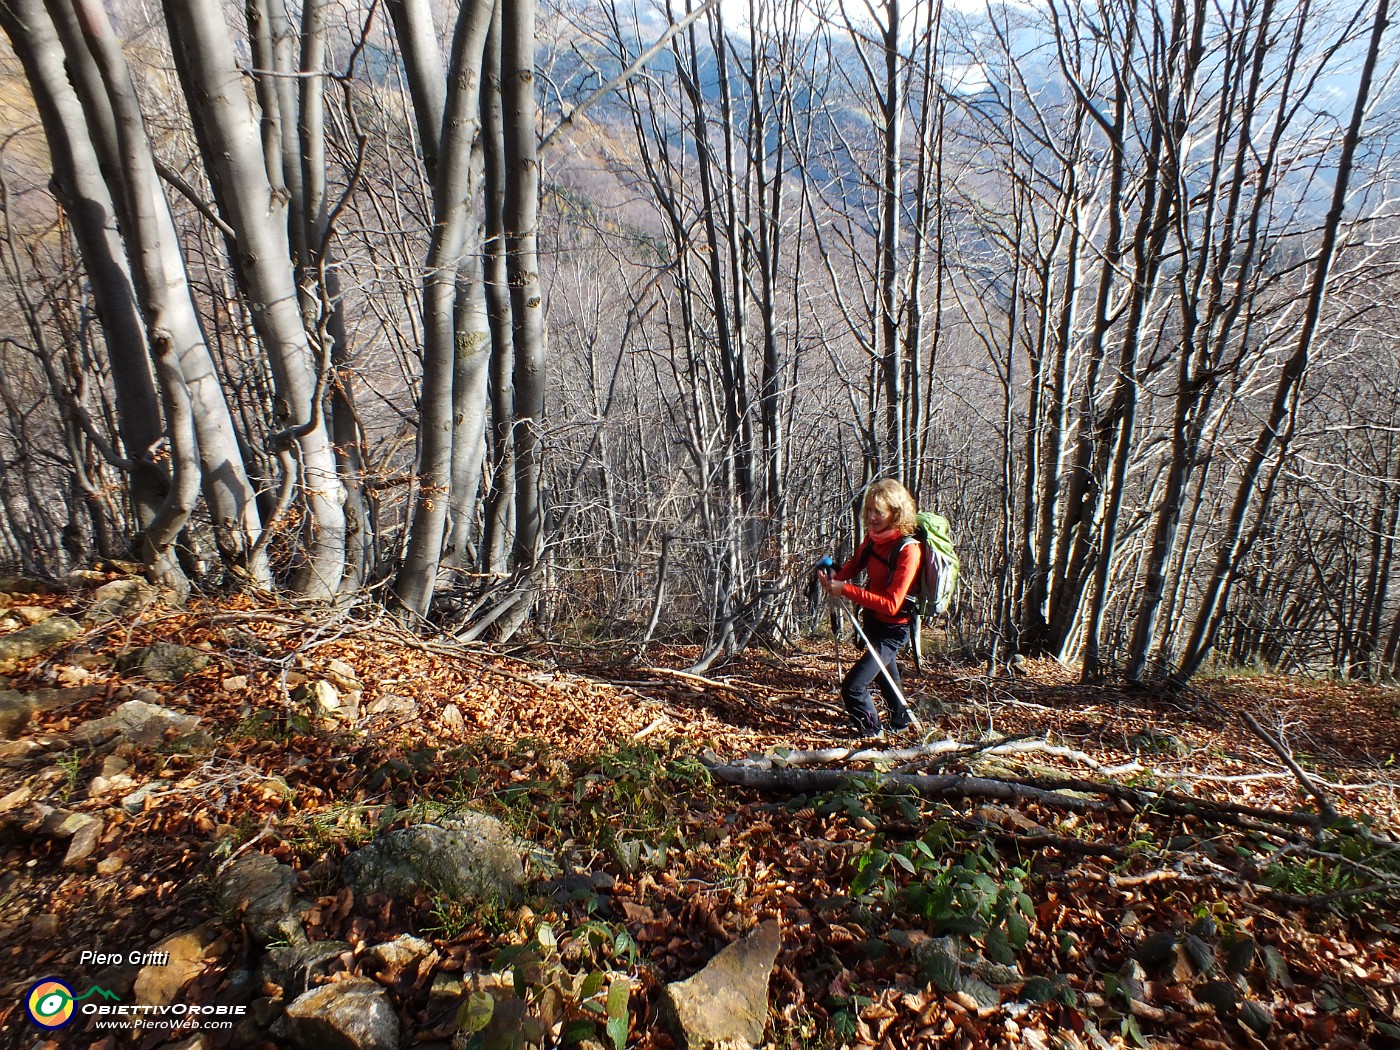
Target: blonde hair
x=888, y=495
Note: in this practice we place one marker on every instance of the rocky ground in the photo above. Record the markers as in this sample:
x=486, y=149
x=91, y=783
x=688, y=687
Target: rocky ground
x=327, y=832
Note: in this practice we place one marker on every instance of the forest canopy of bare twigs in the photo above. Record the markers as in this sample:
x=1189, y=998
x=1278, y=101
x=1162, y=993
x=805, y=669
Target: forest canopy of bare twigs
x=599, y=317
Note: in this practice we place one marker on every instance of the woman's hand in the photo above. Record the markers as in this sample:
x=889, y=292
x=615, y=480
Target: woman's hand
x=833, y=587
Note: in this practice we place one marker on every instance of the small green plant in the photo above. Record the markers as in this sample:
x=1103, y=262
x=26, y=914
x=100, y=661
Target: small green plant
x=556, y=988
x=978, y=895
x=1346, y=863
x=452, y=916
x=72, y=766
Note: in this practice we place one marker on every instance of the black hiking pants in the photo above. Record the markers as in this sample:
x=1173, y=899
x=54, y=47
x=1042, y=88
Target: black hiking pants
x=887, y=640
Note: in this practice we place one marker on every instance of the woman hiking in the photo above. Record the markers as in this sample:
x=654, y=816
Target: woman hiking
x=889, y=556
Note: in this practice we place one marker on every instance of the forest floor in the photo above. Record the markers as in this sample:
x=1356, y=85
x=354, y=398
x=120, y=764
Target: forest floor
x=1079, y=915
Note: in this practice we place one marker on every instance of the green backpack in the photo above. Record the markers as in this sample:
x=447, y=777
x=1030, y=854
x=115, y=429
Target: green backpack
x=938, y=567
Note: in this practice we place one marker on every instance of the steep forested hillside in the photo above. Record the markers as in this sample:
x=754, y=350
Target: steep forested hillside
x=1045, y=865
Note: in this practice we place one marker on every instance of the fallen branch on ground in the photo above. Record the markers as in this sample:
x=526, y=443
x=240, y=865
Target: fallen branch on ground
x=800, y=781
x=1324, y=804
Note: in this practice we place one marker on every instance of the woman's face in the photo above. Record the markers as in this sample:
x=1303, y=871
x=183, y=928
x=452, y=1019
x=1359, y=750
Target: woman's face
x=878, y=519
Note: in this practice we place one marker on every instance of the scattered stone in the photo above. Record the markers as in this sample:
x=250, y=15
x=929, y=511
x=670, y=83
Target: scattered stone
x=347, y=1015
x=728, y=999
x=144, y=724
x=84, y=841
x=114, y=764
x=295, y=968
x=190, y=954
x=235, y=683
x=110, y=865
x=33, y=641
x=452, y=719
x=343, y=676
x=392, y=709
x=261, y=891
x=16, y=799
x=15, y=712
x=120, y=600
x=400, y=953
x=135, y=803
x=164, y=662
x=43, y=927
x=472, y=857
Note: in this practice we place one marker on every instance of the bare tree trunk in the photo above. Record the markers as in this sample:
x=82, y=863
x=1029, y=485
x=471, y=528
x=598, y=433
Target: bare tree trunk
x=521, y=218
x=1232, y=551
x=225, y=125
x=453, y=197
x=93, y=214
x=499, y=532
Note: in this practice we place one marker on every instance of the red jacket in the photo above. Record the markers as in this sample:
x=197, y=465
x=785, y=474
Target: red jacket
x=884, y=591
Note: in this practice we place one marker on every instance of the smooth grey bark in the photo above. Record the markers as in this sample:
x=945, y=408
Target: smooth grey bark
x=427, y=80
x=160, y=272
x=453, y=198
x=310, y=212
x=228, y=493
x=521, y=222
x=471, y=361
x=499, y=526
x=228, y=133
x=86, y=198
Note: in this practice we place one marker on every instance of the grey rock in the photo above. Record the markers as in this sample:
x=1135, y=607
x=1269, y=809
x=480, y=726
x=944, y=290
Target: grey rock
x=296, y=967
x=120, y=600
x=33, y=641
x=261, y=891
x=728, y=999
x=144, y=724
x=472, y=857
x=347, y=1015
x=135, y=802
x=84, y=842
x=400, y=953
x=15, y=712
x=165, y=662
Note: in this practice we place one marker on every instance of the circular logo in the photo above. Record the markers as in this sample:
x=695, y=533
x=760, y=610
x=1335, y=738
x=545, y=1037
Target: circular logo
x=50, y=1003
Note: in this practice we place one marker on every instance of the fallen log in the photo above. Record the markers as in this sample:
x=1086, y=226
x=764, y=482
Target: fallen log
x=801, y=781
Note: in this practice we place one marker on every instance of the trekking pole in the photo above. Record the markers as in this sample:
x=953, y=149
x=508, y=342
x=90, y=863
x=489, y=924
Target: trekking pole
x=889, y=678
x=827, y=566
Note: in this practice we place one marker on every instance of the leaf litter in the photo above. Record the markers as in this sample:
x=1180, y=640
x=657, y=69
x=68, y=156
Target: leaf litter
x=907, y=920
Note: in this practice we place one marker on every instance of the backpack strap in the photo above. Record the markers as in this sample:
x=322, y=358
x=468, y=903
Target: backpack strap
x=868, y=551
